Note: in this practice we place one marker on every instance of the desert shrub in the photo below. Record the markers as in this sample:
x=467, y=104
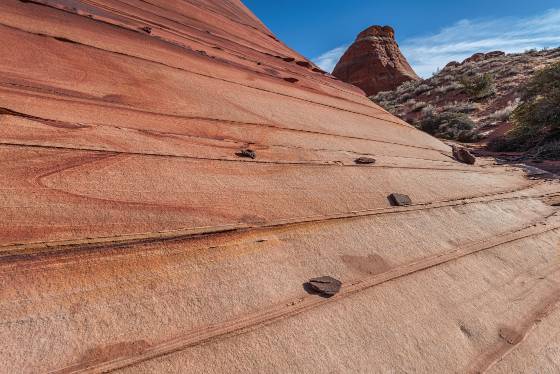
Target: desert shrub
x=405, y=97
x=421, y=89
x=406, y=86
x=450, y=125
x=448, y=87
x=461, y=107
x=539, y=115
x=382, y=96
x=548, y=151
x=536, y=122
x=428, y=110
x=418, y=106
x=394, y=110
x=504, y=114
x=478, y=86
x=510, y=71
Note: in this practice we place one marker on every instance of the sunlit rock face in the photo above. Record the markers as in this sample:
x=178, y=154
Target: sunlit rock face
x=374, y=62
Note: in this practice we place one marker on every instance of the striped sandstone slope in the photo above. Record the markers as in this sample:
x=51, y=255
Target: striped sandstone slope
x=134, y=239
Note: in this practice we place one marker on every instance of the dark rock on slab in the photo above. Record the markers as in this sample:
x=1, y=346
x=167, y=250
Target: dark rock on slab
x=247, y=153
x=325, y=285
x=397, y=199
x=463, y=155
x=364, y=160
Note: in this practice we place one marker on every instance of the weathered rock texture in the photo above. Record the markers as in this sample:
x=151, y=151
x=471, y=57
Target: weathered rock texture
x=133, y=238
x=374, y=62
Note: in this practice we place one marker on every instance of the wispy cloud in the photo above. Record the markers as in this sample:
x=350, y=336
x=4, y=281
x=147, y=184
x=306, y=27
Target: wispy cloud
x=460, y=40
x=327, y=61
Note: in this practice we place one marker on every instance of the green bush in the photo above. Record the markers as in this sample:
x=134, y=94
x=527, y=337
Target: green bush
x=538, y=117
x=478, y=86
x=450, y=125
x=536, y=122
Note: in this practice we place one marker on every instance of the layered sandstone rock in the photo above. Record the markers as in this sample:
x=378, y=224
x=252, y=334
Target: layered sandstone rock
x=374, y=62
x=165, y=197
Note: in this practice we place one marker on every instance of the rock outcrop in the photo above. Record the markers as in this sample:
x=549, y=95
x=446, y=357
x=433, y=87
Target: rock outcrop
x=374, y=62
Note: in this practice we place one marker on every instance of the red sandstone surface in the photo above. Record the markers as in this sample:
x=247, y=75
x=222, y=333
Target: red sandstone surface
x=135, y=239
x=374, y=62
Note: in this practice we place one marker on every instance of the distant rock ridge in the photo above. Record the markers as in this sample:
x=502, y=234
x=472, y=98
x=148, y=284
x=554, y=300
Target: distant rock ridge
x=478, y=95
x=374, y=62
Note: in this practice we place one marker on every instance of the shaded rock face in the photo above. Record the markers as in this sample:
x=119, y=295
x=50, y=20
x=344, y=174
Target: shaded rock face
x=374, y=62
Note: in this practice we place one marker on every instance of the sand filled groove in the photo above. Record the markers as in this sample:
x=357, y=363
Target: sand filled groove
x=133, y=237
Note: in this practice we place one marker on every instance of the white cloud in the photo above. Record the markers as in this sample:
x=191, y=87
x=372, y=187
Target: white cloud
x=464, y=38
x=327, y=61
x=459, y=41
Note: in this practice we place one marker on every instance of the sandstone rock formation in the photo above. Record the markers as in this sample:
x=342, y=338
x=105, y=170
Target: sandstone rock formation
x=134, y=239
x=374, y=62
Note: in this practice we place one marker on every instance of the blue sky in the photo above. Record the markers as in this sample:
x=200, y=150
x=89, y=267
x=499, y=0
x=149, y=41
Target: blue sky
x=430, y=33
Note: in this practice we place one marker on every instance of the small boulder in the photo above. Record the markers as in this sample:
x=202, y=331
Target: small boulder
x=475, y=58
x=327, y=286
x=397, y=199
x=452, y=64
x=494, y=54
x=247, y=153
x=364, y=160
x=463, y=155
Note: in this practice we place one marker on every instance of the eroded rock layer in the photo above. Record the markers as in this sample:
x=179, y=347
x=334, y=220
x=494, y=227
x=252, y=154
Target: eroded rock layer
x=374, y=62
x=172, y=175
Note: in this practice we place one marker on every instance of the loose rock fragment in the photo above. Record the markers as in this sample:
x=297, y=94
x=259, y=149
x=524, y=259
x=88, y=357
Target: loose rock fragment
x=247, y=153
x=326, y=285
x=463, y=155
x=398, y=199
x=364, y=160
x=147, y=29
